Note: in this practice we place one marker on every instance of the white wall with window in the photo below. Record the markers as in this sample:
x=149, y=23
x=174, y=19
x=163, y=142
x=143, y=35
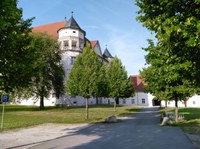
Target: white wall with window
x=65, y=32
x=193, y=101
x=140, y=99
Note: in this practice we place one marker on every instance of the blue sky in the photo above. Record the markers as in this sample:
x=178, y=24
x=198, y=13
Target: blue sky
x=112, y=22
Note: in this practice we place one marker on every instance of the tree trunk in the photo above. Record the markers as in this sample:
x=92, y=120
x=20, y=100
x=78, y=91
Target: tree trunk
x=86, y=107
x=41, y=102
x=117, y=100
x=115, y=104
x=176, y=109
x=185, y=103
x=97, y=102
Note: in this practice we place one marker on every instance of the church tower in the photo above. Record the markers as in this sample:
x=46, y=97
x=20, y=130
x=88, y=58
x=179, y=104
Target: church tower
x=72, y=40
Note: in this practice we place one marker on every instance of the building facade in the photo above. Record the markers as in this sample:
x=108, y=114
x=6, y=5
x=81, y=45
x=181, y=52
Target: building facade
x=143, y=98
x=72, y=40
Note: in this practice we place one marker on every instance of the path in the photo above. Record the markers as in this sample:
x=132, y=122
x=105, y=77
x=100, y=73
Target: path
x=141, y=131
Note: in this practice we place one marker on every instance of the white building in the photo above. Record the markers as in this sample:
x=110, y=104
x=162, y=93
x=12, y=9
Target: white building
x=142, y=98
x=72, y=40
x=193, y=101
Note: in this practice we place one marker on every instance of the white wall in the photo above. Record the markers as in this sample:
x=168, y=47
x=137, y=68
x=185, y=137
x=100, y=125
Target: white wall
x=66, y=32
x=193, y=101
x=51, y=101
x=138, y=99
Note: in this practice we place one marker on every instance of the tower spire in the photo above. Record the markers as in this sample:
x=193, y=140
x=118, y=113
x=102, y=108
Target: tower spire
x=72, y=13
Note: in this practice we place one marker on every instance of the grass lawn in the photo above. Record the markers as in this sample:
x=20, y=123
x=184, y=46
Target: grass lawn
x=191, y=123
x=23, y=116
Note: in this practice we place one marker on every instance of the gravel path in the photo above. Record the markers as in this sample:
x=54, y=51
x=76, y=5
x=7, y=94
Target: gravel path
x=27, y=137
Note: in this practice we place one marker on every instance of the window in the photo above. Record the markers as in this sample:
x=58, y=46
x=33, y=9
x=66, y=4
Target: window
x=133, y=101
x=66, y=43
x=73, y=58
x=74, y=31
x=193, y=102
x=124, y=101
x=73, y=43
x=143, y=101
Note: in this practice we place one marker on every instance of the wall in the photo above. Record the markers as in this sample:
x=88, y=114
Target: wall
x=137, y=99
x=193, y=101
x=51, y=101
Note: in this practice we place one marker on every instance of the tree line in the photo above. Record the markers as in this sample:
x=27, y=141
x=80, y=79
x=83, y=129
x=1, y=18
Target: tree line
x=91, y=77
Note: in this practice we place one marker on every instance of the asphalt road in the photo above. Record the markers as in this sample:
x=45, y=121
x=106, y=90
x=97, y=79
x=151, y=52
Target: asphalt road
x=140, y=131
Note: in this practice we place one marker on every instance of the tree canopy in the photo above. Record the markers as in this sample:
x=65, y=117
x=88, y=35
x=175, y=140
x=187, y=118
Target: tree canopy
x=176, y=26
x=173, y=63
x=16, y=58
x=48, y=73
x=120, y=86
x=83, y=77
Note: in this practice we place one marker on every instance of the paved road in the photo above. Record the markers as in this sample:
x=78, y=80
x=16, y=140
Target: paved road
x=140, y=131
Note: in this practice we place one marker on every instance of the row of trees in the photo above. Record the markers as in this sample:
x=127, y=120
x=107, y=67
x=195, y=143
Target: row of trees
x=173, y=61
x=91, y=77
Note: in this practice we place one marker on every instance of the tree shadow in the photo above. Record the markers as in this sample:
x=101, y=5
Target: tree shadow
x=139, y=131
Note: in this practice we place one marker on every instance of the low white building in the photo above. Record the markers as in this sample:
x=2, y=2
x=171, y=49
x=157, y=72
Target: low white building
x=141, y=98
x=193, y=101
x=146, y=99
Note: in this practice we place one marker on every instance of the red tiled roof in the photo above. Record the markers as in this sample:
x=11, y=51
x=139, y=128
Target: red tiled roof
x=93, y=43
x=138, y=83
x=50, y=29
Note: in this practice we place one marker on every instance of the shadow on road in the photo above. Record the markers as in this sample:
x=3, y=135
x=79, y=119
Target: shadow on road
x=139, y=131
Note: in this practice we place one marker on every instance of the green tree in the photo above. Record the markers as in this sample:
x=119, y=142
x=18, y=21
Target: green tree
x=16, y=58
x=164, y=76
x=118, y=81
x=48, y=71
x=176, y=24
x=83, y=77
x=129, y=91
x=176, y=27
x=103, y=87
